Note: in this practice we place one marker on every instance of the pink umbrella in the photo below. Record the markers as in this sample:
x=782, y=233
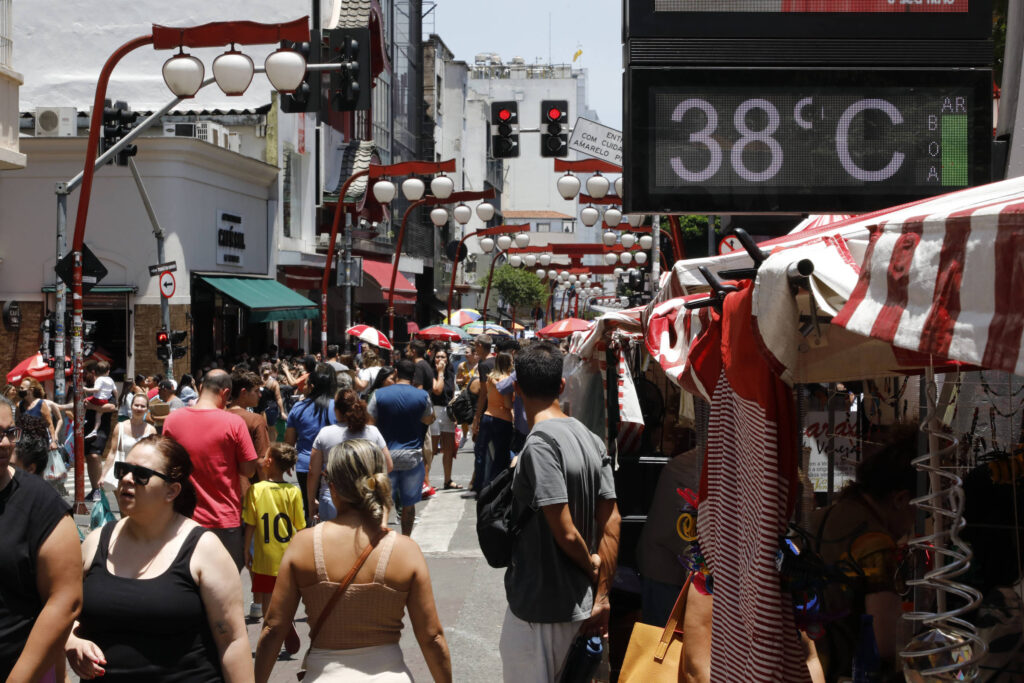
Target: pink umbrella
x=564, y=328
x=36, y=368
x=370, y=335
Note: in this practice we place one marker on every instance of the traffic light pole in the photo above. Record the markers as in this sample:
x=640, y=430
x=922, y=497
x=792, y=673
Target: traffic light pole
x=158, y=232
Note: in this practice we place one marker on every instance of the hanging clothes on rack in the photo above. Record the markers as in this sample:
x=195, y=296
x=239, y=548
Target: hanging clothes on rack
x=748, y=489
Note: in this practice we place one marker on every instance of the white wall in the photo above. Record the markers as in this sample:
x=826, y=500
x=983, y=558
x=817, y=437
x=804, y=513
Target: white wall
x=88, y=31
x=188, y=182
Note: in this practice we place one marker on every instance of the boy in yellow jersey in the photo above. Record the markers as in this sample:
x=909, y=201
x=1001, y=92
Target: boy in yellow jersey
x=272, y=512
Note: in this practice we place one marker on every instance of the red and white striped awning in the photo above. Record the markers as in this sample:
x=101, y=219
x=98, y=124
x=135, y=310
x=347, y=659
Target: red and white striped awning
x=936, y=278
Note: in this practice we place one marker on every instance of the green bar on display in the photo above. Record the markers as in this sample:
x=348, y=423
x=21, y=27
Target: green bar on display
x=954, y=150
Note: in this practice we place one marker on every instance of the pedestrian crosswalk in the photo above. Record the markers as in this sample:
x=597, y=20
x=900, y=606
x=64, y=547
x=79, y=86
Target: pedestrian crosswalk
x=438, y=522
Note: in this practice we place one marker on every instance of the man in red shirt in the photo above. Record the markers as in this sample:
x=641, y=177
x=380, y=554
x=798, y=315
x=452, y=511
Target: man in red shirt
x=221, y=451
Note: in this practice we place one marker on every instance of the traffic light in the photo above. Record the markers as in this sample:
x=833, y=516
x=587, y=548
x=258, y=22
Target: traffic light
x=117, y=121
x=350, y=86
x=505, y=120
x=554, y=120
x=163, y=344
x=177, y=341
x=306, y=97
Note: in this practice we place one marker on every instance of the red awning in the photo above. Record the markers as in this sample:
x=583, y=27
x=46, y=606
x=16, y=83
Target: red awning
x=380, y=272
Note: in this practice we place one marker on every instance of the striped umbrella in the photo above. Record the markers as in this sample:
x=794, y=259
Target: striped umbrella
x=442, y=333
x=488, y=327
x=462, y=317
x=564, y=328
x=370, y=335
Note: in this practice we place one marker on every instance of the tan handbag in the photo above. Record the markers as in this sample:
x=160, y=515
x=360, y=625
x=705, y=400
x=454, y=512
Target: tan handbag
x=655, y=654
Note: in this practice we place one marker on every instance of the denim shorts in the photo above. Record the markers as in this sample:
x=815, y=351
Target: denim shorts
x=407, y=485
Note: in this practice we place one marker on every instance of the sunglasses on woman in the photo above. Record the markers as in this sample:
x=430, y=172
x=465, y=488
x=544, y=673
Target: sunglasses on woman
x=140, y=474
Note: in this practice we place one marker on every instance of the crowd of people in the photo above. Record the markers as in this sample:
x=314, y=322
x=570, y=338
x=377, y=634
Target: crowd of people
x=152, y=594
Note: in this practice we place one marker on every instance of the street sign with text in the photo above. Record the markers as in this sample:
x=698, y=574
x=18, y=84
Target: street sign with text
x=594, y=140
x=169, y=267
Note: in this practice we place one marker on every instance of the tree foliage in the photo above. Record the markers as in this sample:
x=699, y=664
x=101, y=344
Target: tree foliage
x=519, y=287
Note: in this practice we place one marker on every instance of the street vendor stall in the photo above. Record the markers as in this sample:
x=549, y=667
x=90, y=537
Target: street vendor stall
x=925, y=288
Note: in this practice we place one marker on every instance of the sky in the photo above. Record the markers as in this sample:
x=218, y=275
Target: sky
x=519, y=28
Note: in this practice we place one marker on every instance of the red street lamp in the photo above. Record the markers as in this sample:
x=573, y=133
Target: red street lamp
x=217, y=34
x=484, y=233
x=452, y=198
x=375, y=172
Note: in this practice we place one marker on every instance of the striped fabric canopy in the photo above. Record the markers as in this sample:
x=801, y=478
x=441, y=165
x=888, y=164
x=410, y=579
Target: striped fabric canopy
x=929, y=281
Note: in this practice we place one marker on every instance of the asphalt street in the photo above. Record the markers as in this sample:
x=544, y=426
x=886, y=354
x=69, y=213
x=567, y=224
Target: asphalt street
x=470, y=595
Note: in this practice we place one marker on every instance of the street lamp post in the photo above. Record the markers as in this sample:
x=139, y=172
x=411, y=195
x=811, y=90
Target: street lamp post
x=217, y=34
x=485, y=232
x=454, y=197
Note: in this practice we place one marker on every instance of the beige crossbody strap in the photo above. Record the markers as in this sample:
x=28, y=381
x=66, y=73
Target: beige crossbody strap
x=675, y=621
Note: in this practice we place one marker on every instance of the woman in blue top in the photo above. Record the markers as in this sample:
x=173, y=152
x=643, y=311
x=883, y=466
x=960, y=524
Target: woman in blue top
x=307, y=418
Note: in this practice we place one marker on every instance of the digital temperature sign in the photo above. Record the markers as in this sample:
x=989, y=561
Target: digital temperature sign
x=901, y=20
x=812, y=6
x=730, y=140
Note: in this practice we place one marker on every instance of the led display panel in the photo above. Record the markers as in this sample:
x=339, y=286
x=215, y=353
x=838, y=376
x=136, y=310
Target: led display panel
x=902, y=20
x=749, y=140
x=813, y=6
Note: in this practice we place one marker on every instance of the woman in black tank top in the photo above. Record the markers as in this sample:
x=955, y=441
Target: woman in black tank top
x=150, y=612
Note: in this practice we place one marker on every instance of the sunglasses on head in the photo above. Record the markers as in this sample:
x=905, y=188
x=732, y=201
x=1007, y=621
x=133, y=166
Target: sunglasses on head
x=140, y=474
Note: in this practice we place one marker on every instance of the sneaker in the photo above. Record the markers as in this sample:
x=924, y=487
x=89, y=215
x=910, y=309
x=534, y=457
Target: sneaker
x=94, y=496
x=255, y=611
x=428, y=491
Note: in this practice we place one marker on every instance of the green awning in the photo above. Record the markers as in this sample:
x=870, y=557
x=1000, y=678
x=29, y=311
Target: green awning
x=267, y=300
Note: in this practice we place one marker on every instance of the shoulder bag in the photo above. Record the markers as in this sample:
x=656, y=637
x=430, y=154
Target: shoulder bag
x=315, y=631
x=654, y=654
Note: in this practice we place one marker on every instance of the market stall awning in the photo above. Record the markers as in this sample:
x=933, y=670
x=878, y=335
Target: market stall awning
x=910, y=286
x=267, y=300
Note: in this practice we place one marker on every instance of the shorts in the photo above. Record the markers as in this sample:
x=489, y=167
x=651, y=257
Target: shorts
x=407, y=485
x=263, y=583
x=234, y=540
x=97, y=401
x=442, y=423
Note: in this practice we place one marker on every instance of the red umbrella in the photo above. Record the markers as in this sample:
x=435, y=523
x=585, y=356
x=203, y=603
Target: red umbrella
x=564, y=328
x=36, y=368
x=370, y=335
x=438, y=332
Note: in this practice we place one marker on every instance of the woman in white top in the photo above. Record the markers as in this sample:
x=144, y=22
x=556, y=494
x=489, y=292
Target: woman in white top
x=353, y=423
x=365, y=377
x=123, y=438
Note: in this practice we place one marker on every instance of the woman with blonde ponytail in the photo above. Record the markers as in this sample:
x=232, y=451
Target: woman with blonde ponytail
x=355, y=627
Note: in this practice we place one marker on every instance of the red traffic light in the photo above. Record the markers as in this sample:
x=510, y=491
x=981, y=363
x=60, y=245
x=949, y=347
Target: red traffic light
x=504, y=115
x=161, y=337
x=554, y=114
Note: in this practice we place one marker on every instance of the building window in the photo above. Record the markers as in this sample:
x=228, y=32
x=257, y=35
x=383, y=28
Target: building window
x=567, y=226
x=543, y=227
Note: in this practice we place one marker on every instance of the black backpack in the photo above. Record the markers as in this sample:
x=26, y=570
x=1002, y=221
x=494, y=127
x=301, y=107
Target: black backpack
x=462, y=408
x=496, y=531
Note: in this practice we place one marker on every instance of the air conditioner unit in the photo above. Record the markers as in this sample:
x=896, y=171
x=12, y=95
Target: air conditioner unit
x=56, y=122
x=207, y=131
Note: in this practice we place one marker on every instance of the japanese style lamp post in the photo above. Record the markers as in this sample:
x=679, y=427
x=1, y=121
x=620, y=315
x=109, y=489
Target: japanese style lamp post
x=486, y=237
x=413, y=189
x=183, y=74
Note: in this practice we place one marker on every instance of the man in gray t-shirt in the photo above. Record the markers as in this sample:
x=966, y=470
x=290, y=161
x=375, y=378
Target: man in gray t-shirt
x=558, y=579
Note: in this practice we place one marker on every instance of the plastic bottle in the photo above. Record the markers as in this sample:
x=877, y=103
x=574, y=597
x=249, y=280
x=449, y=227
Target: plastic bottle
x=582, y=661
x=867, y=662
